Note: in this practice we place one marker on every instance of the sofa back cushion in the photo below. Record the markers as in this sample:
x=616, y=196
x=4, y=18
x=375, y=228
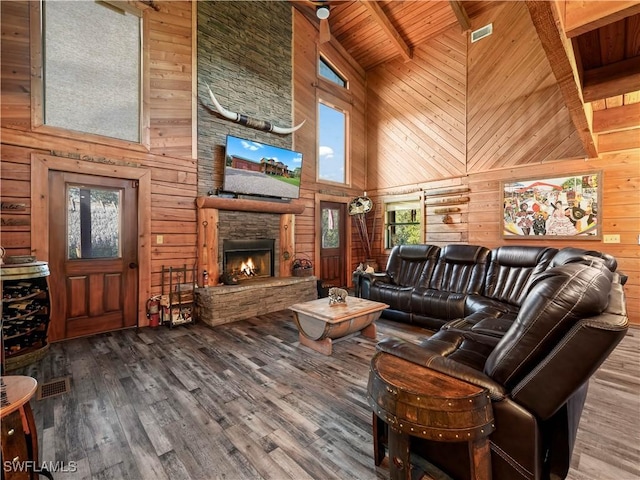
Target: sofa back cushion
x=511, y=270
x=556, y=301
x=588, y=257
x=412, y=265
x=460, y=269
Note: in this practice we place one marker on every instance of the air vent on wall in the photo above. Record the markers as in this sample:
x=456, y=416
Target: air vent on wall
x=481, y=33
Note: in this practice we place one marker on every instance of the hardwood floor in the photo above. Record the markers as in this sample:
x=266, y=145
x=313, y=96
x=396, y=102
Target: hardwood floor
x=244, y=401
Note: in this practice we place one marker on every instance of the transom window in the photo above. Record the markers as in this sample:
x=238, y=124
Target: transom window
x=328, y=72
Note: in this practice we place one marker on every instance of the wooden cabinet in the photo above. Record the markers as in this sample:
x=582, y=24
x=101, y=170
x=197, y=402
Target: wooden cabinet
x=177, y=304
x=25, y=313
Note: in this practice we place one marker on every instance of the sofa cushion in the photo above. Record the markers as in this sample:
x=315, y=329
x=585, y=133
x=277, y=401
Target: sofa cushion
x=512, y=268
x=412, y=265
x=460, y=269
x=557, y=299
x=437, y=304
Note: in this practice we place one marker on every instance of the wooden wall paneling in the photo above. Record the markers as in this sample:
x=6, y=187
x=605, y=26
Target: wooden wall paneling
x=417, y=111
x=514, y=103
x=169, y=163
x=619, y=212
x=306, y=86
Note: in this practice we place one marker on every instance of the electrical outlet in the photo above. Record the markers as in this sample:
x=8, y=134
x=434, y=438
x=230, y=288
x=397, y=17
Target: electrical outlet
x=611, y=239
x=159, y=239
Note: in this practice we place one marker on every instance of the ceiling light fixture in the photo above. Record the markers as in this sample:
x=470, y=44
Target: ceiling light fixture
x=322, y=12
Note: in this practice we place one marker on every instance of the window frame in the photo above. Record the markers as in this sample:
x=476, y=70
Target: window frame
x=418, y=199
x=37, y=84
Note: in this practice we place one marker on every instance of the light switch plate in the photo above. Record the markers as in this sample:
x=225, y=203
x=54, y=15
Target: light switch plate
x=611, y=239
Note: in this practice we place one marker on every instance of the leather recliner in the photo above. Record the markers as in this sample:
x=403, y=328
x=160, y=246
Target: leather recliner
x=570, y=318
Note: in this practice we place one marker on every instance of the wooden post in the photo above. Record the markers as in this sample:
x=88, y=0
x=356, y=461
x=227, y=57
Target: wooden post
x=287, y=243
x=208, y=245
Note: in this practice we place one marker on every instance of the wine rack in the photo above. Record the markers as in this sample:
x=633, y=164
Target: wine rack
x=25, y=313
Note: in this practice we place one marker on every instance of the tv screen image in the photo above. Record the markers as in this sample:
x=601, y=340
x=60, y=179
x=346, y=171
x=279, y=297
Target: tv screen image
x=255, y=168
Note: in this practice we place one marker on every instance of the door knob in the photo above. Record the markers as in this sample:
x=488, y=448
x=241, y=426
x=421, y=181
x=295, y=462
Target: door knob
x=133, y=265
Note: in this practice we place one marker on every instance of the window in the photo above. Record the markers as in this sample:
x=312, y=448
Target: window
x=328, y=72
x=332, y=143
x=92, y=68
x=93, y=222
x=403, y=222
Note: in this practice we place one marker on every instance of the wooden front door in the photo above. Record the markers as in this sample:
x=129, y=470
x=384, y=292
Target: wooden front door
x=92, y=254
x=333, y=244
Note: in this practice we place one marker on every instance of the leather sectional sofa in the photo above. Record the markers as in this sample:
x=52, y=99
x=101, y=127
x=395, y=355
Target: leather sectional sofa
x=530, y=324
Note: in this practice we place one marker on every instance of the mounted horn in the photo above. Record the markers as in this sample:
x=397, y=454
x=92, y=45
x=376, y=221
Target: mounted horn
x=250, y=122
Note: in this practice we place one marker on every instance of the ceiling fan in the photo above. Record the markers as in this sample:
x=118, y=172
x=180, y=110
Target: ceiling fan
x=323, y=10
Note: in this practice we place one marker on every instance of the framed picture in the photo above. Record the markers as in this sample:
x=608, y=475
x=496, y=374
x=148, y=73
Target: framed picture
x=563, y=206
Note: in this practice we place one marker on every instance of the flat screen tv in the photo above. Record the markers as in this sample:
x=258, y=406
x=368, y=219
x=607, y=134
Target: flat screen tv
x=255, y=168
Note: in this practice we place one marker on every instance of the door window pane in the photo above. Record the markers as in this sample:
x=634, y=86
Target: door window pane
x=332, y=125
x=93, y=222
x=330, y=228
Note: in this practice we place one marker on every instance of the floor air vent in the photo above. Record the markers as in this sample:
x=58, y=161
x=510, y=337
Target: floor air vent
x=53, y=388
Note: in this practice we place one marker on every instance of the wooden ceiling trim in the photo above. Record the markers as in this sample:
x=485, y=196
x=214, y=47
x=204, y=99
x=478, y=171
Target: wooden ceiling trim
x=562, y=62
x=379, y=16
x=461, y=14
x=611, y=80
x=582, y=17
x=619, y=118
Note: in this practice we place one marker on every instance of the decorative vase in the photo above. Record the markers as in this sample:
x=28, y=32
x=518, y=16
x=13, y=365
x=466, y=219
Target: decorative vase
x=371, y=262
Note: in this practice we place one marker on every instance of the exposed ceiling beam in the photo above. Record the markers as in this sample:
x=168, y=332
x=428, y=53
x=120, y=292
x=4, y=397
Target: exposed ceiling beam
x=563, y=64
x=582, y=17
x=618, y=118
x=381, y=18
x=461, y=14
x=611, y=80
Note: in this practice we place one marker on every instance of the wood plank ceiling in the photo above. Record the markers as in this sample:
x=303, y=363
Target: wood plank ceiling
x=599, y=45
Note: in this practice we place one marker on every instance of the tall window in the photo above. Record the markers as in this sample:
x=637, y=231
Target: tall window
x=92, y=68
x=332, y=143
x=403, y=222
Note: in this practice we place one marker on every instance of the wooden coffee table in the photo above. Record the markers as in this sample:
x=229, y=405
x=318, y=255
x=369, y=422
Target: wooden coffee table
x=320, y=323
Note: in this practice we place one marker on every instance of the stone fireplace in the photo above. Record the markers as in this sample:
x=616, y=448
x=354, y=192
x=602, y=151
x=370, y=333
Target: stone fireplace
x=247, y=259
x=238, y=220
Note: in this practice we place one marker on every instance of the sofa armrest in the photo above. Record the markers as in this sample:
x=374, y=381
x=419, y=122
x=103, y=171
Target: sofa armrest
x=432, y=358
x=367, y=279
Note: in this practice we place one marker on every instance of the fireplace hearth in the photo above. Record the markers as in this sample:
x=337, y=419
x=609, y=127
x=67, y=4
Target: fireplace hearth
x=247, y=259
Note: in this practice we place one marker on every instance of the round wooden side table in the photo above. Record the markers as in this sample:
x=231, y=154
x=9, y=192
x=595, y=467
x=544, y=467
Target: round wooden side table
x=19, y=436
x=415, y=401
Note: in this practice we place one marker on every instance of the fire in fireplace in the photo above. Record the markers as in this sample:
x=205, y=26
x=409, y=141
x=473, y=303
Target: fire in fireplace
x=246, y=259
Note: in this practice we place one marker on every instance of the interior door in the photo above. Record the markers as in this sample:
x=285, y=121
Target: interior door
x=332, y=244
x=92, y=254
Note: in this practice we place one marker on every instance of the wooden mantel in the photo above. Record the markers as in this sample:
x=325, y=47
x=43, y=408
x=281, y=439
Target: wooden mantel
x=208, y=218
x=242, y=205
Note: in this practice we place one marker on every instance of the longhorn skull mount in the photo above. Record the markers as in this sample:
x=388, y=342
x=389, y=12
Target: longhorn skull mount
x=251, y=122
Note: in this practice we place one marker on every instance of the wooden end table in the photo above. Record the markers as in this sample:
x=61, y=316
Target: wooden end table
x=19, y=436
x=320, y=323
x=415, y=401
